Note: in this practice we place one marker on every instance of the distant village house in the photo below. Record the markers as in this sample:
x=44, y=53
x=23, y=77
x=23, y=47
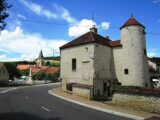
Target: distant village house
x=4, y=75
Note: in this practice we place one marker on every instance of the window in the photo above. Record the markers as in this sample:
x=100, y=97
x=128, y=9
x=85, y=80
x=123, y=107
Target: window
x=74, y=64
x=125, y=71
x=69, y=86
x=145, y=52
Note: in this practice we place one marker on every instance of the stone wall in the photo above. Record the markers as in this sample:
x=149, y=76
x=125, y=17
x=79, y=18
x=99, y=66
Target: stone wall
x=146, y=103
x=83, y=92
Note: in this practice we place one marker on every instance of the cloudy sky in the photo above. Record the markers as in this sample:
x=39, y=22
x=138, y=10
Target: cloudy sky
x=47, y=24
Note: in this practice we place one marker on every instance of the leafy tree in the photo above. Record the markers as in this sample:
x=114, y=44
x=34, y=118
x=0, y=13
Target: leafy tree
x=40, y=75
x=56, y=75
x=3, y=13
x=48, y=63
x=23, y=72
x=12, y=69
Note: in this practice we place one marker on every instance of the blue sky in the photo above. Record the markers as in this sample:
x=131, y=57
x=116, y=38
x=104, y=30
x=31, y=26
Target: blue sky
x=48, y=24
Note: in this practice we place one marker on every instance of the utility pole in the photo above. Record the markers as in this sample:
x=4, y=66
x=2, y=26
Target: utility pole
x=92, y=15
x=53, y=53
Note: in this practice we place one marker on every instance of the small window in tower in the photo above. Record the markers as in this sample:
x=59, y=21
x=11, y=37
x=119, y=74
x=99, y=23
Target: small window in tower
x=74, y=64
x=145, y=52
x=125, y=71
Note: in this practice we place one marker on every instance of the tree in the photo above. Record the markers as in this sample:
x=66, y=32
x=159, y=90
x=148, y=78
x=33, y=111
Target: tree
x=55, y=76
x=24, y=72
x=3, y=13
x=40, y=75
x=12, y=70
x=48, y=63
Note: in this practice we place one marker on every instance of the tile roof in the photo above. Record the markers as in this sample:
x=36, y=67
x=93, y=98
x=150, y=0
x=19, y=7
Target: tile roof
x=51, y=70
x=35, y=68
x=23, y=67
x=115, y=43
x=90, y=37
x=132, y=21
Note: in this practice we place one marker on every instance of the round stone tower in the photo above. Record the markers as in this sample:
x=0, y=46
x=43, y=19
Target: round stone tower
x=135, y=67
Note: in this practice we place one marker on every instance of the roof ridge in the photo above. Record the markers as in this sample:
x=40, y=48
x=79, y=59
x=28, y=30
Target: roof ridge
x=89, y=37
x=2, y=65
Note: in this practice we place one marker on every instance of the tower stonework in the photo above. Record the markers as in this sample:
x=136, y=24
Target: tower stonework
x=131, y=61
x=40, y=60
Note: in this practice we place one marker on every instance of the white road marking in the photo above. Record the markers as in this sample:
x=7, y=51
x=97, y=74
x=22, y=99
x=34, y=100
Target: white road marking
x=45, y=108
x=8, y=90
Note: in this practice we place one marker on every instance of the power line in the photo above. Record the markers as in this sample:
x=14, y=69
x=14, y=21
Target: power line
x=33, y=21
x=65, y=24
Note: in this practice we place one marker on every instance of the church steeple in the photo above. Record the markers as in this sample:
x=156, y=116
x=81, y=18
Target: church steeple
x=40, y=54
x=40, y=60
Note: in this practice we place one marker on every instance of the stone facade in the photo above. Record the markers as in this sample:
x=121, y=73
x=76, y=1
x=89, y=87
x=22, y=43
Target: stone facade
x=150, y=104
x=82, y=92
x=84, y=67
x=132, y=56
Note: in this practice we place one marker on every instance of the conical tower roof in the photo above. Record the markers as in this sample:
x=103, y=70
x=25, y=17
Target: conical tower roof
x=132, y=21
x=40, y=54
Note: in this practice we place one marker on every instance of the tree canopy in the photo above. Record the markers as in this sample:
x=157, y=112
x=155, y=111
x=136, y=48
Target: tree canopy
x=3, y=13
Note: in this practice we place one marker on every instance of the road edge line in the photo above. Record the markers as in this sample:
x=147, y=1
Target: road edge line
x=98, y=108
x=8, y=90
x=57, y=83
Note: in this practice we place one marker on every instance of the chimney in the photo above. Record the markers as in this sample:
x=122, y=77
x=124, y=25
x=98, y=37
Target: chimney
x=93, y=29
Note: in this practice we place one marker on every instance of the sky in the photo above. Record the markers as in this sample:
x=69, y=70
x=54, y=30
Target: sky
x=48, y=24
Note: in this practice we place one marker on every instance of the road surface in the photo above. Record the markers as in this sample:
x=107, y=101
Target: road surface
x=34, y=103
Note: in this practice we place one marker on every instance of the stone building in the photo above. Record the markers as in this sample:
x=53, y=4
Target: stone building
x=91, y=63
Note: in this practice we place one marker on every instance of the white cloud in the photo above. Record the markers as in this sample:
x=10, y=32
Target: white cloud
x=76, y=27
x=64, y=13
x=6, y=58
x=82, y=27
x=21, y=16
x=59, y=12
x=39, y=10
x=3, y=56
x=156, y=1
x=26, y=45
x=105, y=25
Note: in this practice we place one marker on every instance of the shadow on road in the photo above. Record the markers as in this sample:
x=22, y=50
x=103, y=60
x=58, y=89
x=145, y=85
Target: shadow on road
x=23, y=116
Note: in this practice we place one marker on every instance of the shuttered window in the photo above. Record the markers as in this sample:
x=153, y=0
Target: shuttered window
x=74, y=64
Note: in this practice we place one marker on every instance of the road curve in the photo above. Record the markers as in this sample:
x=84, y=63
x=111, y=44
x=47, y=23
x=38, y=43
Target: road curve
x=34, y=103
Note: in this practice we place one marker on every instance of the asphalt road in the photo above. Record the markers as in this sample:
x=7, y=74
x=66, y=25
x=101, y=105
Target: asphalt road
x=34, y=103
